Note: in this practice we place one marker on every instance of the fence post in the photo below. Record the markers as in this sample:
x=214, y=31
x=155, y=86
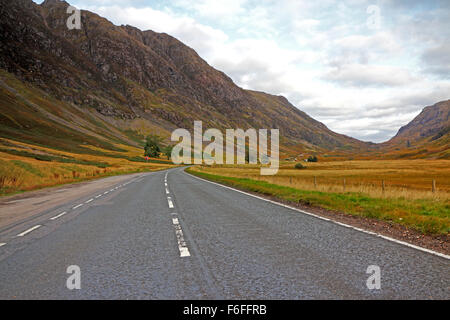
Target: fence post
x=383, y=186
x=315, y=182
x=344, y=185
x=434, y=186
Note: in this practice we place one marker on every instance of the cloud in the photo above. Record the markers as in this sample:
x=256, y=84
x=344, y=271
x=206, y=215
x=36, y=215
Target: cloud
x=360, y=75
x=437, y=60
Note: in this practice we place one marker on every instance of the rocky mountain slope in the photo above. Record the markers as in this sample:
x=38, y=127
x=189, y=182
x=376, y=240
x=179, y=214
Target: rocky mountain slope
x=107, y=83
x=427, y=135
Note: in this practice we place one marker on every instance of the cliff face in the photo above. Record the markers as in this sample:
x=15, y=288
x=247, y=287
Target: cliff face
x=426, y=136
x=126, y=74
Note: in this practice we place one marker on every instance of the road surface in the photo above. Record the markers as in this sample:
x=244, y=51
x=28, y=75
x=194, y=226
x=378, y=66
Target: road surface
x=168, y=235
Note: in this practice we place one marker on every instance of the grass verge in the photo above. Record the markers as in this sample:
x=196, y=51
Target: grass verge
x=427, y=216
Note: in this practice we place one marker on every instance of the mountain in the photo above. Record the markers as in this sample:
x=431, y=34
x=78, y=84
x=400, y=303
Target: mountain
x=107, y=84
x=427, y=135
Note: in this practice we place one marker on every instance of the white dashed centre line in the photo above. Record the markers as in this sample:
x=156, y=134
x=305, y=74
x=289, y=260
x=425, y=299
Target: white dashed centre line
x=182, y=246
x=169, y=200
x=28, y=231
x=76, y=207
x=58, y=216
x=98, y=196
x=167, y=191
x=2, y=244
x=90, y=200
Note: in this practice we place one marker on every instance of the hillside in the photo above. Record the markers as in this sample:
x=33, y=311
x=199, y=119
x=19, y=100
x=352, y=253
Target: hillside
x=427, y=135
x=107, y=84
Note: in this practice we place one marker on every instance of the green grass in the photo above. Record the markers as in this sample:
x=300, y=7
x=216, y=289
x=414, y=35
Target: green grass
x=426, y=216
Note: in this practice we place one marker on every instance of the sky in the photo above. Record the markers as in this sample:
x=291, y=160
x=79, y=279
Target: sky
x=363, y=67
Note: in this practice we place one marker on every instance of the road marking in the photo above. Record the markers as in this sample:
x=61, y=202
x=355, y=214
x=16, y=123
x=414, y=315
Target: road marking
x=106, y=192
x=98, y=196
x=58, y=216
x=111, y=190
x=2, y=244
x=182, y=247
x=90, y=200
x=329, y=220
x=167, y=191
x=76, y=207
x=169, y=200
x=28, y=231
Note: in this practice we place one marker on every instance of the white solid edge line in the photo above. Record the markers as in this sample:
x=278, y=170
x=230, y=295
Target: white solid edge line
x=335, y=222
x=58, y=216
x=28, y=231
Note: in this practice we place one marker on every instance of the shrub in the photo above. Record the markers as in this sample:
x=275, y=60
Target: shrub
x=152, y=146
x=299, y=166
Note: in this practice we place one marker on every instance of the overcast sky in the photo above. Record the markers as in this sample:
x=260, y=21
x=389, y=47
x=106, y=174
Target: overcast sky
x=361, y=75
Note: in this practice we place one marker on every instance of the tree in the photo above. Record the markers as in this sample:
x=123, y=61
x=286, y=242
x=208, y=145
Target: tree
x=168, y=151
x=312, y=159
x=247, y=154
x=152, y=146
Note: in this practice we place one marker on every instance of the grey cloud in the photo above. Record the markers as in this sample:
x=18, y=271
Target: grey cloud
x=437, y=60
x=256, y=74
x=368, y=76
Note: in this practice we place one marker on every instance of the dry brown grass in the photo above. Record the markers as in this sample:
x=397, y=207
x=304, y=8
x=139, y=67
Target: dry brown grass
x=409, y=179
x=19, y=173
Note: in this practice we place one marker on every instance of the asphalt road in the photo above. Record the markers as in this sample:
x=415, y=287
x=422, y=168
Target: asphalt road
x=193, y=239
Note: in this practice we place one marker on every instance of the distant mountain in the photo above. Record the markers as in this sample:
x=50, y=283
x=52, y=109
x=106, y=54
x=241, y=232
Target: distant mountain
x=428, y=135
x=105, y=84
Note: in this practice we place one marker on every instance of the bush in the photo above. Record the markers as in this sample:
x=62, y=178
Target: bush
x=299, y=166
x=152, y=146
x=312, y=159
